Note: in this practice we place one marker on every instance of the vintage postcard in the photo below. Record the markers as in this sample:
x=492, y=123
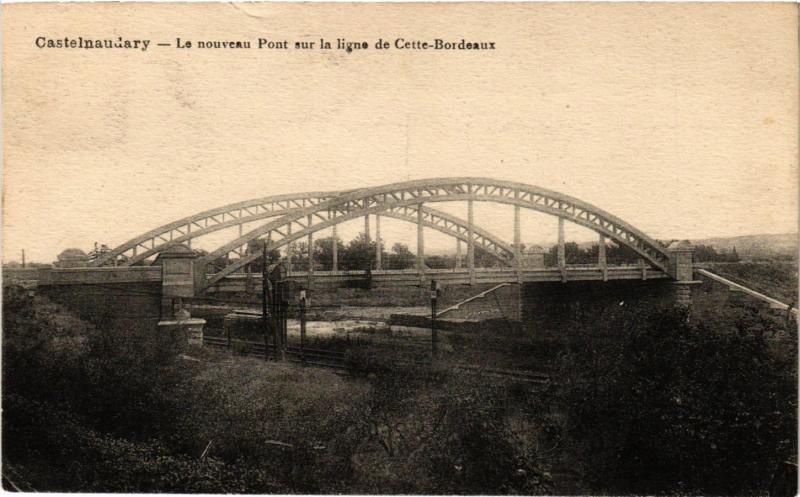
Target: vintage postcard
x=400, y=248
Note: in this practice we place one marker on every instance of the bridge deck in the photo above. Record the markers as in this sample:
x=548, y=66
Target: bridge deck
x=238, y=282
x=387, y=278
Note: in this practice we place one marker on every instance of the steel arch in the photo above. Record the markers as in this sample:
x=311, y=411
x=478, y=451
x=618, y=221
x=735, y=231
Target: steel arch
x=455, y=227
x=374, y=200
x=163, y=237
x=481, y=237
x=431, y=218
x=227, y=216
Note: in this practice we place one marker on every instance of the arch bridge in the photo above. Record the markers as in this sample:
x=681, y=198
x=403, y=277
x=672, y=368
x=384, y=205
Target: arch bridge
x=284, y=219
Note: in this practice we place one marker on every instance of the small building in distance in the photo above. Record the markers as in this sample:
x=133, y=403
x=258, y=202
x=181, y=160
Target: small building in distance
x=533, y=257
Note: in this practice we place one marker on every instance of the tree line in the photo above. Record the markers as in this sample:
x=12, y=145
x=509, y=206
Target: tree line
x=358, y=254
x=621, y=254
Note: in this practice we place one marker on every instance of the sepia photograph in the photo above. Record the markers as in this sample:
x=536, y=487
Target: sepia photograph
x=468, y=248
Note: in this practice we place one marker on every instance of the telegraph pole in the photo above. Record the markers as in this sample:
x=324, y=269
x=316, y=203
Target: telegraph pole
x=264, y=292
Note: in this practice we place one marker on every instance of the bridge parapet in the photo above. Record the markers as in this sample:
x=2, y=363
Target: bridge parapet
x=81, y=276
x=97, y=275
x=20, y=276
x=458, y=276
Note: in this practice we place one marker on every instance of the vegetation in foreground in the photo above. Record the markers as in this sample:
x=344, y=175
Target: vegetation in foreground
x=659, y=404
x=87, y=409
x=644, y=402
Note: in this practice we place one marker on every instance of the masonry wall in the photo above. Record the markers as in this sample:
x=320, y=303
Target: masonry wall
x=502, y=303
x=552, y=307
x=116, y=305
x=709, y=297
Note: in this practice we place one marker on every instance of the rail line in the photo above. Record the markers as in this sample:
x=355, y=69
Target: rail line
x=309, y=356
x=521, y=375
x=339, y=360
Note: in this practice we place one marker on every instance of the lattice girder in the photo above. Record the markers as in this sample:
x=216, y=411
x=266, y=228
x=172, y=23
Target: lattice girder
x=357, y=203
x=259, y=209
x=206, y=222
x=281, y=234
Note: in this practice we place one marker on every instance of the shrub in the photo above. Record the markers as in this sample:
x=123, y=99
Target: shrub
x=65, y=454
x=657, y=404
x=437, y=432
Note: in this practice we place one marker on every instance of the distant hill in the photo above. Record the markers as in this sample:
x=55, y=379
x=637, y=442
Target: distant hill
x=755, y=245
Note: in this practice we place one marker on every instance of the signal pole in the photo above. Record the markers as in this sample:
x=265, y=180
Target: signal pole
x=303, y=304
x=434, y=332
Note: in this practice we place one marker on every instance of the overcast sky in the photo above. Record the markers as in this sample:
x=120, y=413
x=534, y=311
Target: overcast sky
x=680, y=119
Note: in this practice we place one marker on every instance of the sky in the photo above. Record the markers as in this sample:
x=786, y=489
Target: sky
x=681, y=119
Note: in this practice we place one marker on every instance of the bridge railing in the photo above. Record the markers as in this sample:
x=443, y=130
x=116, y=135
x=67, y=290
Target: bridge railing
x=444, y=271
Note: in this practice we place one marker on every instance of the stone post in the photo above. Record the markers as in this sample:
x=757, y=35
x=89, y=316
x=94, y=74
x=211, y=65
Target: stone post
x=181, y=330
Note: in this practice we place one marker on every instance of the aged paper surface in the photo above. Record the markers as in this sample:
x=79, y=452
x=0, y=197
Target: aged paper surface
x=665, y=128
x=687, y=112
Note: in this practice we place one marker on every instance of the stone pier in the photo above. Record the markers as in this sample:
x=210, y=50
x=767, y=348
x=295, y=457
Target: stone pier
x=177, y=282
x=682, y=270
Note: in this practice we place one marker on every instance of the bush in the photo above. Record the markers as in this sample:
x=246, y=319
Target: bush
x=302, y=424
x=657, y=404
x=65, y=454
x=433, y=431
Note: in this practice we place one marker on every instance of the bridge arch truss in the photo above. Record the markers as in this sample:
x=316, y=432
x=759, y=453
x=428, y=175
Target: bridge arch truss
x=393, y=198
x=142, y=247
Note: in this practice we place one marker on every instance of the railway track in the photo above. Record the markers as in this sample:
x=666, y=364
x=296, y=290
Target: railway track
x=517, y=374
x=309, y=356
x=339, y=360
